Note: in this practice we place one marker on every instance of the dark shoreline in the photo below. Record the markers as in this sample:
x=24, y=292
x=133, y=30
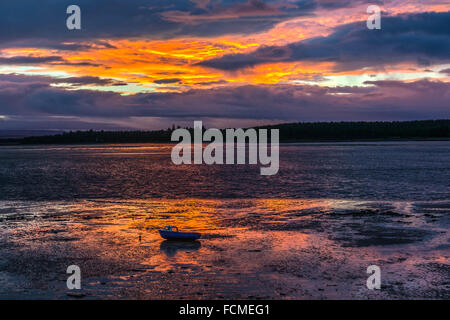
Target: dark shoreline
x=7, y=143
x=423, y=130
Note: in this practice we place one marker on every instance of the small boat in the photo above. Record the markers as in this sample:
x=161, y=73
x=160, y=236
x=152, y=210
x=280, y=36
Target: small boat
x=172, y=233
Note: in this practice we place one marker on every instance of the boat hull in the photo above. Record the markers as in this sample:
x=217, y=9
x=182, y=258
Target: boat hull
x=179, y=236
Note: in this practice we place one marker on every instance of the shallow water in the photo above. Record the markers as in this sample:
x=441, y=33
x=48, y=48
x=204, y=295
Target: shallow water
x=309, y=232
x=366, y=171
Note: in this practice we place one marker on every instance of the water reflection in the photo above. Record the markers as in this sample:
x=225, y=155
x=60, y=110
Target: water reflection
x=142, y=171
x=170, y=248
x=265, y=248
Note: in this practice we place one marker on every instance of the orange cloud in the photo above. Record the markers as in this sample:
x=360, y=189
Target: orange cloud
x=152, y=64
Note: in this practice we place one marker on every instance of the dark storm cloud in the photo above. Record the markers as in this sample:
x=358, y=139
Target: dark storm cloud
x=43, y=23
x=10, y=80
x=422, y=38
x=54, y=60
x=89, y=64
x=445, y=71
x=167, y=81
x=56, y=44
x=336, y=4
x=46, y=19
x=87, y=80
x=30, y=97
x=28, y=60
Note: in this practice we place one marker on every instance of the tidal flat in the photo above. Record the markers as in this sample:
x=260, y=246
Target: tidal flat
x=308, y=232
x=250, y=249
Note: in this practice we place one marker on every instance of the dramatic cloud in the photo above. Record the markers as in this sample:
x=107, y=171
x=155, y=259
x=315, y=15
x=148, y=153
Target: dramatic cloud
x=18, y=60
x=445, y=71
x=419, y=37
x=168, y=81
x=150, y=63
x=44, y=19
x=87, y=80
x=382, y=100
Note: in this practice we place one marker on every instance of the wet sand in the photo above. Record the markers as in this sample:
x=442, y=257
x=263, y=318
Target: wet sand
x=250, y=249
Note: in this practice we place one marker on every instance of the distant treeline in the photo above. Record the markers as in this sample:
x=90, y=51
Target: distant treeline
x=291, y=132
x=424, y=129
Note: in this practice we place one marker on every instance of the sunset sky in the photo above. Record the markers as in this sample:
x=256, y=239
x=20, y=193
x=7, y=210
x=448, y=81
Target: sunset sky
x=148, y=64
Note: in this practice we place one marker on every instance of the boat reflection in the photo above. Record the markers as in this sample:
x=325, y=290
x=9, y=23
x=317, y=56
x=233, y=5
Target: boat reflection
x=170, y=248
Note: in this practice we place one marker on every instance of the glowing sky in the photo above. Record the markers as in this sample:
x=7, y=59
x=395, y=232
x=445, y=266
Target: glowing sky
x=147, y=63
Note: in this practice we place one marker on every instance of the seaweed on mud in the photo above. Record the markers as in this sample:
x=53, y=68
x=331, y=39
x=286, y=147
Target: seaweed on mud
x=442, y=269
x=297, y=225
x=364, y=235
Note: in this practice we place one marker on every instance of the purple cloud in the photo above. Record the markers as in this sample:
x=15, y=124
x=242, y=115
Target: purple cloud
x=422, y=38
x=29, y=97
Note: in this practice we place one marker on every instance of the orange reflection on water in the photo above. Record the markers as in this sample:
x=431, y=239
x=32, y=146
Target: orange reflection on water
x=255, y=247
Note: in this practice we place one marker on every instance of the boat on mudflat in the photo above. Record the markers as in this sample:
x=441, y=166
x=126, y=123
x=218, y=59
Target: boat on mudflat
x=172, y=233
